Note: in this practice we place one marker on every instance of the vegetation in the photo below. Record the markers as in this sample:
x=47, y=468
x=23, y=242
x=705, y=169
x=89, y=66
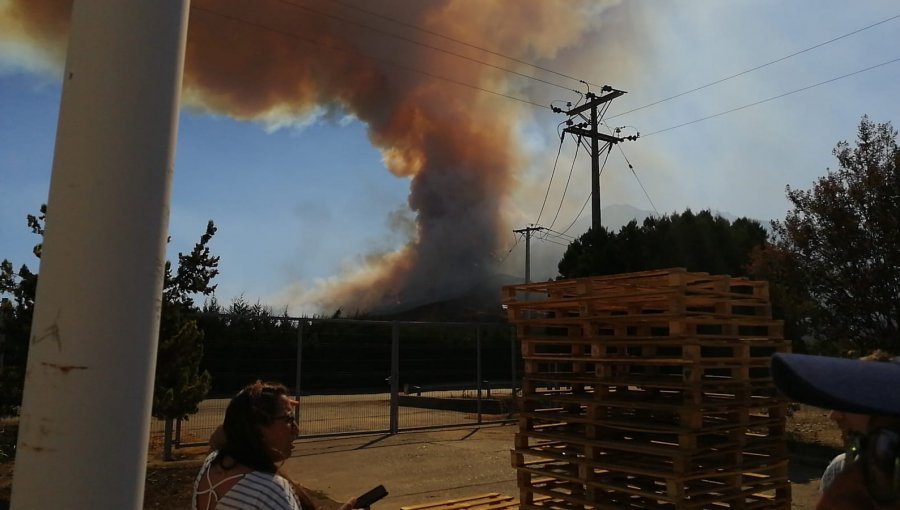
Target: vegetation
x=835, y=254
x=179, y=384
x=699, y=242
x=832, y=262
x=245, y=342
x=15, y=323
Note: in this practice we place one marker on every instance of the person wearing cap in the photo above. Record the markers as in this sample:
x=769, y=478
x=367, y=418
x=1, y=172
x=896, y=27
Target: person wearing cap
x=871, y=477
x=850, y=424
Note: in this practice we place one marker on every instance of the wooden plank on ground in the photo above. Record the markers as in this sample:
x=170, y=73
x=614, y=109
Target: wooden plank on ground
x=489, y=501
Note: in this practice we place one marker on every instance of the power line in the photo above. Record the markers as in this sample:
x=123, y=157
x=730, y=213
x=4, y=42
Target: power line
x=511, y=248
x=419, y=43
x=549, y=184
x=710, y=84
x=295, y=36
x=639, y=181
x=553, y=233
x=292, y=35
x=566, y=189
x=457, y=41
x=578, y=216
x=773, y=97
x=552, y=241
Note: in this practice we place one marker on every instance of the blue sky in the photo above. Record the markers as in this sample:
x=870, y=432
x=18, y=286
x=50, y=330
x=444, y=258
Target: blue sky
x=305, y=201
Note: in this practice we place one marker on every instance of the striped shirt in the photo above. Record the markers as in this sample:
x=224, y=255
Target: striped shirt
x=255, y=491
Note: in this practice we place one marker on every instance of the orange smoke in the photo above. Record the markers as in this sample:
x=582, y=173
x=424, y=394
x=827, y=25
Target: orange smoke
x=280, y=59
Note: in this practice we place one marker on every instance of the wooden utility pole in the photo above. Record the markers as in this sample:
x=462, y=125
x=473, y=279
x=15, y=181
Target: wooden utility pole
x=527, y=231
x=592, y=132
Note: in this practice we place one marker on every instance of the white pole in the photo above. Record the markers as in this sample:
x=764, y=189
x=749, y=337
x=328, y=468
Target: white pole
x=84, y=427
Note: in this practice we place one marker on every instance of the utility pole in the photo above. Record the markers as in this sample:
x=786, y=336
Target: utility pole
x=527, y=231
x=592, y=132
x=111, y=180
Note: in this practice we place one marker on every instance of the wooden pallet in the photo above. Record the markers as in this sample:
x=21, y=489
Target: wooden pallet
x=726, y=327
x=633, y=396
x=649, y=390
x=778, y=500
x=626, y=370
x=633, y=302
x=565, y=487
x=642, y=458
x=671, y=423
x=678, y=278
x=713, y=486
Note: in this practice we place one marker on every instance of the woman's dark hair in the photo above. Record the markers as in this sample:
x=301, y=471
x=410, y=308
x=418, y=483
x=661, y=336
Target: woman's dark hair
x=256, y=405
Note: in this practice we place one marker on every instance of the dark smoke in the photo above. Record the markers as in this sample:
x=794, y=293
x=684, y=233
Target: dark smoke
x=276, y=60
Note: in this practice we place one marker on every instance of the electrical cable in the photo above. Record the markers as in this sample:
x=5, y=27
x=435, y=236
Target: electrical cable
x=549, y=184
x=589, y=196
x=531, y=103
x=424, y=45
x=608, y=148
x=552, y=241
x=457, y=41
x=639, y=181
x=553, y=233
x=566, y=189
x=578, y=216
x=511, y=248
x=370, y=57
x=758, y=67
x=773, y=97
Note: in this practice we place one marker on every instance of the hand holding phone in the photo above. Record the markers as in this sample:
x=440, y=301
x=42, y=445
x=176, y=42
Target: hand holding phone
x=370, y=497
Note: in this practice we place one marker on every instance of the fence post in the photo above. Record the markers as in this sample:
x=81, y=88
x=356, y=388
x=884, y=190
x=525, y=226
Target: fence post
x=395, y=377
x=512, y=360
x=299, y=367
x=478, y=370
x=4, y=303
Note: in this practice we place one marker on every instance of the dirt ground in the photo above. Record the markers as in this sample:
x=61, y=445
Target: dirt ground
x=812, y=441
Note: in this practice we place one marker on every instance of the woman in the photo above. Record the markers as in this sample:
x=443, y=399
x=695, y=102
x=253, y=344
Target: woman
x=259, y=432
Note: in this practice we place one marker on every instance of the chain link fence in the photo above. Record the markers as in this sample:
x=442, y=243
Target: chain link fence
x=364, y=376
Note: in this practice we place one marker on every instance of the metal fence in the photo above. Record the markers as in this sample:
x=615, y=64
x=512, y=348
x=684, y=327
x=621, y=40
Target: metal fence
x=363, y=376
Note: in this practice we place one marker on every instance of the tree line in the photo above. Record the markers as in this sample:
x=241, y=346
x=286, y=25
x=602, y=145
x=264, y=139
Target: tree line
x=832, y=264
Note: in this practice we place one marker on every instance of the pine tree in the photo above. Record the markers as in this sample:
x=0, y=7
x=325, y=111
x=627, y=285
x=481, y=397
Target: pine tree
x=179, y=386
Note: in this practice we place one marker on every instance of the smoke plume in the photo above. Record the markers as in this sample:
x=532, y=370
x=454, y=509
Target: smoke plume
x=283, y=60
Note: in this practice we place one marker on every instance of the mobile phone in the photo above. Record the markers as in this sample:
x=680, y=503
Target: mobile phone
x=370, y=497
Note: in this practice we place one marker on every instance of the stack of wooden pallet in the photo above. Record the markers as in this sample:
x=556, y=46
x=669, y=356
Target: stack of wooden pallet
x=649, y=390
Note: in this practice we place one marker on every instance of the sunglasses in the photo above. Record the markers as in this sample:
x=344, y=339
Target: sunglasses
x=287, y=418
x=878, y=453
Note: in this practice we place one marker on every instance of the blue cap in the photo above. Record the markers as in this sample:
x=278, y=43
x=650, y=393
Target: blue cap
x=849, y=385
